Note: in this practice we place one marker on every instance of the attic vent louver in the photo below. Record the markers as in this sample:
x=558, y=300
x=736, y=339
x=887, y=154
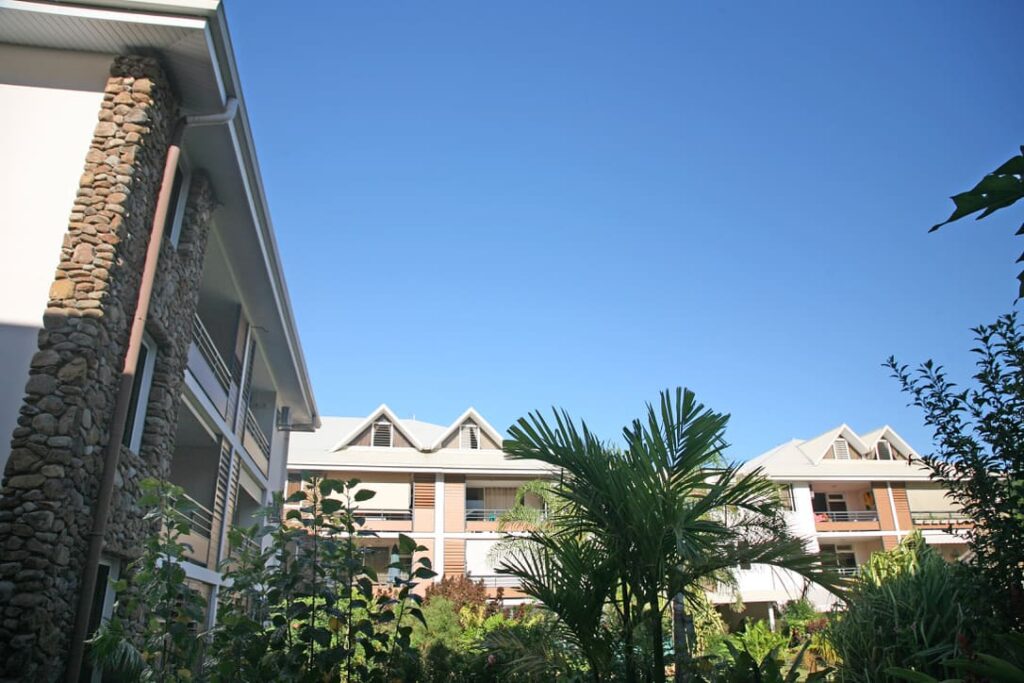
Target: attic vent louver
x=884, y=450
x=841, y=449
x=382, y=434
x=470, y=437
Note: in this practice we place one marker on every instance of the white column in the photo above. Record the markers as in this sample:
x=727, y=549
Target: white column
x=439, y=525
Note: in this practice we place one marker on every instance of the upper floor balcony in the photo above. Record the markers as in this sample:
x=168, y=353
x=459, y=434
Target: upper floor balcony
x=489, y=502
x=844, y=507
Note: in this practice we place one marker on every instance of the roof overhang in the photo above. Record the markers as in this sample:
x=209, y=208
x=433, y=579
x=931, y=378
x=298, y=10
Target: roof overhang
x=191, y=39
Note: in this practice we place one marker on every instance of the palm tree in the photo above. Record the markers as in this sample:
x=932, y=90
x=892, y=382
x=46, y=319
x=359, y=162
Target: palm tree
x=661, y=519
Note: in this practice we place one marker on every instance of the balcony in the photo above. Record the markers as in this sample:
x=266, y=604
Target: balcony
x=939, y=518
x=384, y=520
x=846, y=520
x=202, y=546
x=256, y=442
x=485, y=514
x=209, y=368
x=847, y=516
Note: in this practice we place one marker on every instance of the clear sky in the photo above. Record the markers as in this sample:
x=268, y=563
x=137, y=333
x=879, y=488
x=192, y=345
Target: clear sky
x=515, y=204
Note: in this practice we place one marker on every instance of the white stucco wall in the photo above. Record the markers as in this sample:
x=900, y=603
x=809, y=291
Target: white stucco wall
x=48, y=105
x=478, y=561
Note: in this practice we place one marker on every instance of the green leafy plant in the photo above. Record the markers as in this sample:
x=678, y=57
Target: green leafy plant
x=746, y=667
x=979, y=457
x=1006, y=668
x=999, y=189
x=308, y=608
x=905, y=608
x=641, y=528
x=166, y=647
x=758, y=641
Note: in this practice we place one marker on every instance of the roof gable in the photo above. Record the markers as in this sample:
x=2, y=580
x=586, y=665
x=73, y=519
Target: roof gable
x=382, y=411
x=470, y=415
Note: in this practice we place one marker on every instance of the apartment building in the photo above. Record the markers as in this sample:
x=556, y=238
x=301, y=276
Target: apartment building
x=850, y=495
x=145, y=329
x=447, y=486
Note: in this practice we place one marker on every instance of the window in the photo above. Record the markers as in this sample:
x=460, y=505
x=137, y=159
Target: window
x=380, y=559
x=841, y=449
x=786, y=496
x=829, y=502
x=474, y=498
x=470, y=437
x=884, y=450
x=100, y=610
x=176, y=203
x=136, y=418
x=382, y=434
x=841, y=556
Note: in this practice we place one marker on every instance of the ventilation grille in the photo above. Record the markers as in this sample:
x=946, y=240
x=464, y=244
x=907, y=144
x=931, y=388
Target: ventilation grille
x=423, y=490
x=841, y=449
x=884, y=450
x=470, y=437
x=382, y=434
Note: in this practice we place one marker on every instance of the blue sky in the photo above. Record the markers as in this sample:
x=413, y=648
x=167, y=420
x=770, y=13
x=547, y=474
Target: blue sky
x=523, y=204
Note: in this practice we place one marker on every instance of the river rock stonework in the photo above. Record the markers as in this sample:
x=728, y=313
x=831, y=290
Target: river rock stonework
x=52, y=478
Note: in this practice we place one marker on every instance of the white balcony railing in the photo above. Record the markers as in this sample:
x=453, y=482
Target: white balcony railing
x=383, y=515
x=198, y=516
x=210, y=354
x=485, y=514
x=495, y=580
x=847, y=516
x=847, y=571
x=256, y=432
x=938, y=517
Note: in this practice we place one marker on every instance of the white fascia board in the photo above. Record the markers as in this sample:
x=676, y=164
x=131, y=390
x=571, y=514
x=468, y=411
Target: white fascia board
x=241, y=137
x=417, y=469
x=202, y=8
x=137, y=17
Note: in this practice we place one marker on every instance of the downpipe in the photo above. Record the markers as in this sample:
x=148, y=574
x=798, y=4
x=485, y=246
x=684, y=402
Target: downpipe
x=112, y=453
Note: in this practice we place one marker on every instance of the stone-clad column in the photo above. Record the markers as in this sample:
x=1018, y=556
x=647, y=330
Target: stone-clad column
x=52, y=478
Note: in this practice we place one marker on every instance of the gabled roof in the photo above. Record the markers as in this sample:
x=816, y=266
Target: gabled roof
x=381, y=411
x=339, y=432
x=805, y=459
x=887, y=433
x=817, y=448
x=460, y=420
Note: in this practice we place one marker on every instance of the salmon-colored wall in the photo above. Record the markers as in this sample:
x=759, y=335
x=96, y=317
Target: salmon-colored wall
x=899, y=498
x=454, y=503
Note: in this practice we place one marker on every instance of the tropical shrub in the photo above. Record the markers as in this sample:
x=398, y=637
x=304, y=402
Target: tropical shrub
x=906, y=608
x=979, y=458
x=642, y=528
x=758, y=641
x=745, y=667
x=305, y=608
x=1008, y=667
x=155, y=595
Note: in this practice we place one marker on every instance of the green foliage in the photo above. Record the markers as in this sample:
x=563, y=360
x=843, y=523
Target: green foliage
x=307, y=608
x=997, y=190
x=747, y=667
x=1006, y=668
x=758, y=641
x=796, y=615
x=637, y=526
x=166, y=648
x=979, y=458
x=905, y=609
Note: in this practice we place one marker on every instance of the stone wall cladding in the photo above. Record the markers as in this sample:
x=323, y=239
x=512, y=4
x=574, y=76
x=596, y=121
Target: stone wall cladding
x=52, y=477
